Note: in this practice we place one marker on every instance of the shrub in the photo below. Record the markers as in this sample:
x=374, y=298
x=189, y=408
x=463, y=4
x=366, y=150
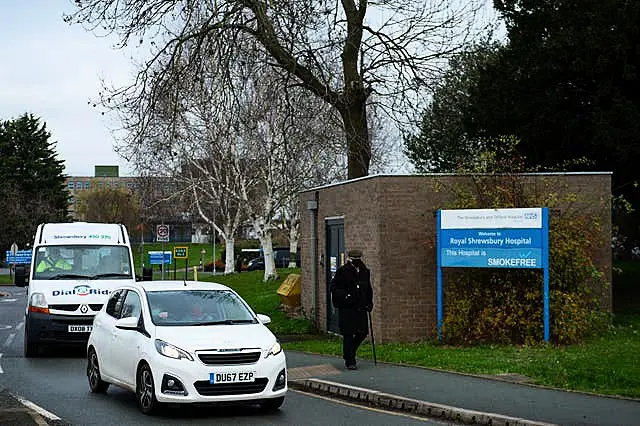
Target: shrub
x=506, y=305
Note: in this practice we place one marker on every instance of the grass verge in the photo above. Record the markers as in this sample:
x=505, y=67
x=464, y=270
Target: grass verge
x=607, y=364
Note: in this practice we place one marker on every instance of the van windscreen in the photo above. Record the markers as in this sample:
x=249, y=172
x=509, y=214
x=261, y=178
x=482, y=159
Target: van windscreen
x=81, y=261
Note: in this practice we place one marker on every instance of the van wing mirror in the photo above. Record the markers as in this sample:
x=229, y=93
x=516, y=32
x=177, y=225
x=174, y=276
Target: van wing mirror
x=20, y=275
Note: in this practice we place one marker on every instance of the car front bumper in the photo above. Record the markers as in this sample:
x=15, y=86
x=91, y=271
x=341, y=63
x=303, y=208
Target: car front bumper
x=194, y=377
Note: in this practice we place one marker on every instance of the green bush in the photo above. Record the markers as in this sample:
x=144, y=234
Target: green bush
x=506, y=305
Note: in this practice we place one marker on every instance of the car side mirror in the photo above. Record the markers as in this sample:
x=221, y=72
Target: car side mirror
x=264, y=319
x=20, y=275
x=129, y=323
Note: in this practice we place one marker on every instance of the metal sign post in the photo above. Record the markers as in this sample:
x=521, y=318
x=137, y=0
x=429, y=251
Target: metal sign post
x=162, y=234
x=14, y=251
x=182, y=253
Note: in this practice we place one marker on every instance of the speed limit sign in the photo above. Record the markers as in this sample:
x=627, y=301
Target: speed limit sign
x=162, y=233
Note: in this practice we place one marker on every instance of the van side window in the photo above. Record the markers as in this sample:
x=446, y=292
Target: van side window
x=114, y=304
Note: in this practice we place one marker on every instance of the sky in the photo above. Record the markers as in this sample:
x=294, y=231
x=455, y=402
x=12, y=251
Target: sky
x=54, y=70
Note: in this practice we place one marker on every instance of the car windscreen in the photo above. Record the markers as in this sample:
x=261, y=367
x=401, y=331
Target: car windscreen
x=198, y=307
x=81, y=262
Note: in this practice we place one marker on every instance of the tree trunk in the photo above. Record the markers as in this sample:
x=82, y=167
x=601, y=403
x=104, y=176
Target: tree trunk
x=228, y=256
x=294, y=236
x=270, y=272
x=354, y=116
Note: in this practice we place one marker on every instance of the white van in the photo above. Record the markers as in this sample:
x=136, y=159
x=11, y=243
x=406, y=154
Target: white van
x=74, y=267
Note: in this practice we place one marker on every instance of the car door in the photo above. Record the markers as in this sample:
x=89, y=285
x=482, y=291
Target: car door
x=126, y=343
x=104, y=324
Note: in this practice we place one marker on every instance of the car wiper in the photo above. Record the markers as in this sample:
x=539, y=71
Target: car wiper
x=67, y=276
x=110, y=275
x=228, y=322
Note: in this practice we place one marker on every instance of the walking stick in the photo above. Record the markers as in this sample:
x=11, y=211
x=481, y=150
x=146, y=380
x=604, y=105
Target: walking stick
x=373, y=341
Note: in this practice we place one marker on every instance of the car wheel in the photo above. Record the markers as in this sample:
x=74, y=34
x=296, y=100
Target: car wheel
x=272, y=404
x=96, y=384
x=145, y=390
x=31, y=349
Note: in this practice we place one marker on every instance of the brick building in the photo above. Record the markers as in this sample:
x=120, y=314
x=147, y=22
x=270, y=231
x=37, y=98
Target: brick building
x=393, y=220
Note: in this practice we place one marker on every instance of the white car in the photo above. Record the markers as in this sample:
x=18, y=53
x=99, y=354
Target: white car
x=185, y=342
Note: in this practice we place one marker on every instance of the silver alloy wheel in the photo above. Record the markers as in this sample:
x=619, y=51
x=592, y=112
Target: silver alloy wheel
x=96, y=384
x=94, y=370
x=146, y=395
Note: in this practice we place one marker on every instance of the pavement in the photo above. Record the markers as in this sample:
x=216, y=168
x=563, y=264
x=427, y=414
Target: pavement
x=507, y=399
x=451, y=397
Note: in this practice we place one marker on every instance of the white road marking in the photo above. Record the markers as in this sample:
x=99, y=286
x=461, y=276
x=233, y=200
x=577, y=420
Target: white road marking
x=7, y=343
x=8, y=300
x=1, y=365
x=37, y=408
x=20, y=325
x=6, y=327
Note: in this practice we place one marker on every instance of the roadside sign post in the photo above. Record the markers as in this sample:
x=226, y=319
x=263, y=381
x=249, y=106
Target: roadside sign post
x=14, y=251
x=494, y=238
x=181, y=253
x=162, y=235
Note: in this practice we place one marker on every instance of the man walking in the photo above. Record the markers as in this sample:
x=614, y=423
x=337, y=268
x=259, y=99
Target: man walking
x=352, y=295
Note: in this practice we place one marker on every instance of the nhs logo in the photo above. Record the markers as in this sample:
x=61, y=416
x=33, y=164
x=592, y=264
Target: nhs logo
x=531, y=216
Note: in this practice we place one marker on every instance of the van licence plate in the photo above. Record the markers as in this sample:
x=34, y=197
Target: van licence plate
x=235, y=377
x=80, y=328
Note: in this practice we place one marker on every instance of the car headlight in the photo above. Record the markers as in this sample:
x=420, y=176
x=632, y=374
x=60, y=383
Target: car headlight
x=171, y=351
x=275, y=350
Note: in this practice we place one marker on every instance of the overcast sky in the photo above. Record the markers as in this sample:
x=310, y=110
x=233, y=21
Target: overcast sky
x=53, y=70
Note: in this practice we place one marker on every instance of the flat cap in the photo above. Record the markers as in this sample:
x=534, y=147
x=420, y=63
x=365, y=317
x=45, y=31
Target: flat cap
x=354, y=254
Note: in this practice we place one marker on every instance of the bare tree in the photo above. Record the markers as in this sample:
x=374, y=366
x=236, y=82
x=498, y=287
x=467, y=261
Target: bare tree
x=341, y=52
x=242, y=150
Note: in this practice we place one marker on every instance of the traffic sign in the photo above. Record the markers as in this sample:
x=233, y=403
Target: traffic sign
x=162, y=233
x=19, y=257
x=181, y=252
x=157, y=257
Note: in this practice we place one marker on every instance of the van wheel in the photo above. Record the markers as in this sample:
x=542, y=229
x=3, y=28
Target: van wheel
x=272, y=404
x=96, y=384
x=145, y=390
x=31, y=349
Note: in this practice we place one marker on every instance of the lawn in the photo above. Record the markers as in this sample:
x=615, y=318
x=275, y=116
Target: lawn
x=607, y=364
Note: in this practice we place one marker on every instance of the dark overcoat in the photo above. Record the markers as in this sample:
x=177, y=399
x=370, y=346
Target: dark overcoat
x=352, y=295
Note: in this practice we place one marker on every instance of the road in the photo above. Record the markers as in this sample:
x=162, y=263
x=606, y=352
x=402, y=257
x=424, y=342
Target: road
x=57, y=383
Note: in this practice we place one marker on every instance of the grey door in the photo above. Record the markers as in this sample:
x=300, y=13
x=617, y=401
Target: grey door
x=335, y=258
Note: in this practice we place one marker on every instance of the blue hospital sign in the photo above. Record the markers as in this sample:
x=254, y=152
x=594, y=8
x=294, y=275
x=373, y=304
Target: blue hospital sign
x=494, y=238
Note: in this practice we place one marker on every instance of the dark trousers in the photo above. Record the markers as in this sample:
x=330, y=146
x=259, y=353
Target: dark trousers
x=350, y=344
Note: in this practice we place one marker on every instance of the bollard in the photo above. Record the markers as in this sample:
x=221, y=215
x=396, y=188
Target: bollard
x=195, y=273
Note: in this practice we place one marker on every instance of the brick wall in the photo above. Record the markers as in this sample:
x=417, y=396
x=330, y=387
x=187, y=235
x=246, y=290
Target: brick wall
x=392, y=219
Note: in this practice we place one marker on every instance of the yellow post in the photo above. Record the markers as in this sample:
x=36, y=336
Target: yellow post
x=195, y=273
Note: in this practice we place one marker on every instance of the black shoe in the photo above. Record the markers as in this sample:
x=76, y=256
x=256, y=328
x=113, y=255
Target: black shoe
x=352, y=367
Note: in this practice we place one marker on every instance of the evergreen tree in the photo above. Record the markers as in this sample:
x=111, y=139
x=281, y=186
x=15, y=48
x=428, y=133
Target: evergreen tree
x=33, y=180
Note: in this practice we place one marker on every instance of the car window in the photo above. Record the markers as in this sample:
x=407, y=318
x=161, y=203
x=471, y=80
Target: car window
x=131, y=306
x=114, y=304
x=190, y=307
